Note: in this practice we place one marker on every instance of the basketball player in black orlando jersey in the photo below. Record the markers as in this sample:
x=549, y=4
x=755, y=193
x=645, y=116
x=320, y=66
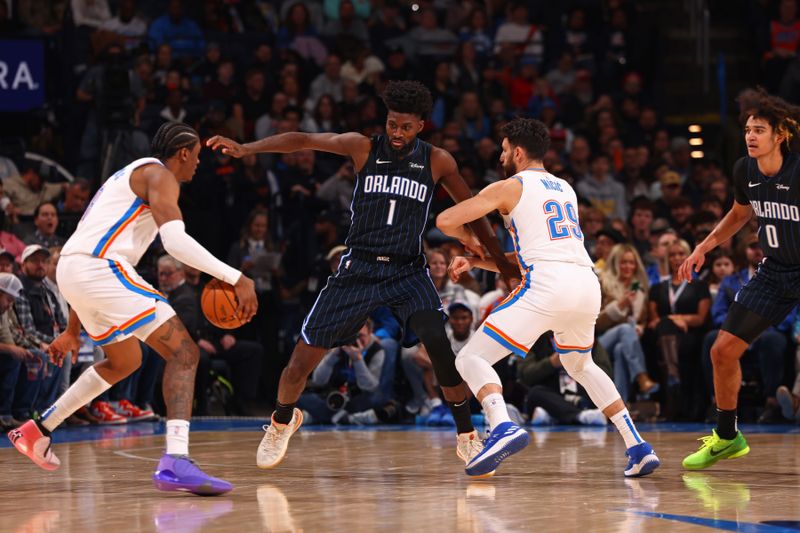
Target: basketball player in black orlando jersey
x=397, y=173
x=766, y=182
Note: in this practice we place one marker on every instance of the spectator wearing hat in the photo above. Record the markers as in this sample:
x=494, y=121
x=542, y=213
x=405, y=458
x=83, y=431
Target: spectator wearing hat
x=12, y=356
x=41, y=319
x=45, y=220
x=668, y=188
x=602, y=190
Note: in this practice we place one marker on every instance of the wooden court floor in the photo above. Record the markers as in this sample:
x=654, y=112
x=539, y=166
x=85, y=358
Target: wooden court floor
x=405, y=481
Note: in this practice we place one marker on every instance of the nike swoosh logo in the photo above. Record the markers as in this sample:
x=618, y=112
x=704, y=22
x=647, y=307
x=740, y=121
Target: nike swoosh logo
x=712, y=453
x=751, y=184
x=378, y=161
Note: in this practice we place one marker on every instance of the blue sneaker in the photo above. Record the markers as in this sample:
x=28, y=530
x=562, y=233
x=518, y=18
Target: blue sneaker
x=436, y=415
x=506, y=439
x=642, y=460
x=179, y=472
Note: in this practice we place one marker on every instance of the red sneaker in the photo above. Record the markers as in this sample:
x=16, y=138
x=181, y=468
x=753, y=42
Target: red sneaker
x=30, y=441
x=105, y=414
x=133, y=413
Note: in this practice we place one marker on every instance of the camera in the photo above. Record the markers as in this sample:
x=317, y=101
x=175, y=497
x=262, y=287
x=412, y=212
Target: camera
x=336, y=400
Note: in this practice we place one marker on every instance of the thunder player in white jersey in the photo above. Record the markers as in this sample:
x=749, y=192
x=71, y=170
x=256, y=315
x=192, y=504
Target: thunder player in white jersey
x=117, y=308
x=559, y=291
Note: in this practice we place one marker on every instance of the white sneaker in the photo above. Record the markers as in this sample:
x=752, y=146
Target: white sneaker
x=515, y=415
x=592, y=417
x=468, y=445
x=276, y=439
x=541, y=417
x=364, y=418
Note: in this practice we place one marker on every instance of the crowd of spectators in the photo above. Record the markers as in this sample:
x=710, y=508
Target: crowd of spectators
x=254, y=68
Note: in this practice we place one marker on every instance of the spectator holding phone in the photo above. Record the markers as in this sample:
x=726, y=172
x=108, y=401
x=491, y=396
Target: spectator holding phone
x=623, y=317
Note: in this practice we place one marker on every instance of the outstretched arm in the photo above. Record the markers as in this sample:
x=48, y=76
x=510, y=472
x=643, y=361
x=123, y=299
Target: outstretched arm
x=162, y=194
x=351, y=144
x=731, y=223
x=445, y=166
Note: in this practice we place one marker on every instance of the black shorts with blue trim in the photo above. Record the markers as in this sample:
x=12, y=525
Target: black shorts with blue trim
x=358, y=288
x=771, y=293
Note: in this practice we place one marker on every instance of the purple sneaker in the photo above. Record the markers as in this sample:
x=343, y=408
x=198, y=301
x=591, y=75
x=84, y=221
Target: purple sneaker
x=181, y=473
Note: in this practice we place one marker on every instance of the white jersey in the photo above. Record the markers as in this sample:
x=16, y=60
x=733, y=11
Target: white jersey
x=544, y=224
x=117, y=224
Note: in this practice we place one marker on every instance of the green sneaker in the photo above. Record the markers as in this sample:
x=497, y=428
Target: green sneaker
x=714, y=448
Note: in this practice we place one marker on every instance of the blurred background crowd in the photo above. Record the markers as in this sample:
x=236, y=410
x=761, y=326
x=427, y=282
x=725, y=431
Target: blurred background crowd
x=86, y=83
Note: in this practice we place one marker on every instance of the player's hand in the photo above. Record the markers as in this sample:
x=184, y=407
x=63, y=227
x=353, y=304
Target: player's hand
x=473, y=245
x=227, y=342
x=691, y=264
x=680, y=322
x=458, y=266
x=227, y=146
x=207, y=347
x=246, y=295
x=62, y=345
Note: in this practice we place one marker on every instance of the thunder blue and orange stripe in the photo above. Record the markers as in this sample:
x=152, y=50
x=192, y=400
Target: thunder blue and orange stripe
x=119, y=226
x=131, y=325
x=504, y=339
x=525, y=282
x=567, y=349
x=133, y=285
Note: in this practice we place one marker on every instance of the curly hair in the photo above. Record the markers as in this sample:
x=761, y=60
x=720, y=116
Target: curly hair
x=171, y=137
x=529, y=134
x=410, y=97
x=781, y=115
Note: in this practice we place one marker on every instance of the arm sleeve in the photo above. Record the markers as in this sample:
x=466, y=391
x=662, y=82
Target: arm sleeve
x=739, y=178
x=185, y=249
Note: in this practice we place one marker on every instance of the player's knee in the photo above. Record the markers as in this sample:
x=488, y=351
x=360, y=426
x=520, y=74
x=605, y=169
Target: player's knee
x=723, y=352
x=462, y=360
x=576, y=363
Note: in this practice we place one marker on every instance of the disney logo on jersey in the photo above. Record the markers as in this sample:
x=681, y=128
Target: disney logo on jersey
x=384, y=184
x=416, y=165
x=782, y=187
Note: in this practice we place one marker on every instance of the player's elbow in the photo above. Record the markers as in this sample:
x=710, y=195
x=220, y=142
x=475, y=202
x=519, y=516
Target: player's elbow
x=445, y=222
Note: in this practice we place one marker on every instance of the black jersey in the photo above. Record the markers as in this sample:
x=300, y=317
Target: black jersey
x=391, y=200
x=776, y=203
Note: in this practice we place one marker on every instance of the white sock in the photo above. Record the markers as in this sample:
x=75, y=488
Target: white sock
x=495, y=408
x=85, y=389
x=626, y=428
x=177, y=437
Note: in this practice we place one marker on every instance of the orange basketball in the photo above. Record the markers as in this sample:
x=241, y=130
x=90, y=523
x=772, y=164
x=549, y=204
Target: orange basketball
x=219, y=304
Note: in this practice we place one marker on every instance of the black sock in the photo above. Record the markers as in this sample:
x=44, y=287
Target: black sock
x=44, y=430
x=462, y=416
x=726, y=424
x=283, y=413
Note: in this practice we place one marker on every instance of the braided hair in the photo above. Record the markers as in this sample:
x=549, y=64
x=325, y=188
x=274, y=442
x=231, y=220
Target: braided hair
x=409, y=97
x=781, y=115
x=171, y=137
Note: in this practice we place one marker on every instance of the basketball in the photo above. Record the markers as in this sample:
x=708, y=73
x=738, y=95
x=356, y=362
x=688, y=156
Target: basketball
x=219, y=304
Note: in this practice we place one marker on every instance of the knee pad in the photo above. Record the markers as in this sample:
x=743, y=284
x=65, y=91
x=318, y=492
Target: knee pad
x=429, y=327
x=591, y=377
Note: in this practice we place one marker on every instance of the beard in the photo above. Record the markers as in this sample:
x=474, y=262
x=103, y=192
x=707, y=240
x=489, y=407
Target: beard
x=403, y=150
x=510, y=169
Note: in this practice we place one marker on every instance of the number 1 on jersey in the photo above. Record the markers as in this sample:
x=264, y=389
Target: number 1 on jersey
x=390, y=218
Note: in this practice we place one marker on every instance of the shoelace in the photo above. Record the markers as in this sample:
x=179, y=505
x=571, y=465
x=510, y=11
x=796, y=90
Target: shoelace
x=271, y=436
x=708, y=440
